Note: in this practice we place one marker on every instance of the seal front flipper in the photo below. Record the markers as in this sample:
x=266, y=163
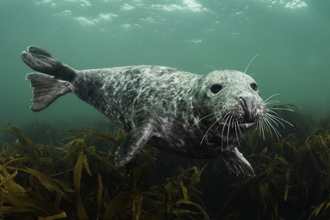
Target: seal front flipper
x=133, y=143
x=236, y=163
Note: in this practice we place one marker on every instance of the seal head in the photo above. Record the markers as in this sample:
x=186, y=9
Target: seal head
x=230, y=105
x=231, y=101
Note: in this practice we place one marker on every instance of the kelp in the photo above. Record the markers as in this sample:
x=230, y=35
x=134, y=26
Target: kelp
x=180, y=190
x=20, y=203
x=73, y=177
x=77, y=181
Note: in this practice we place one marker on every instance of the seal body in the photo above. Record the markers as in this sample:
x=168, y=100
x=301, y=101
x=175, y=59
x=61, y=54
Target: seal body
x=197, y=116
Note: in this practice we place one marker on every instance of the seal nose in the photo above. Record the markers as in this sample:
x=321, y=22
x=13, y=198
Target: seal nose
x=252, y=108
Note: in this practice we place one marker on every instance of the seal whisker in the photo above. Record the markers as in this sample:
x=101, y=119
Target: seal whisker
x=204, y=118
x=218, y=126
x=223, y=130
x=272, y=112
x=270, y=127
x=207, y=132
x=266, y=127
x=279, y=120
x=228, y=129
x=272, y=102
x=210, y=67
x=276, y=108
x=250, y=63
x=263, y=131
x=239, y=131
x=270, y=118
x=267, y=100
x=240, y=121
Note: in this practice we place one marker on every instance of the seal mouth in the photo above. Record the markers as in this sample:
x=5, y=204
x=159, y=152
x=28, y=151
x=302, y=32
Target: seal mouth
x=245, y=126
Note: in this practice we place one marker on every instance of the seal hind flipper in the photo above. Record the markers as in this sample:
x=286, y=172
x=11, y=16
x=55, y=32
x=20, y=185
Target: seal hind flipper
x=46, y=90
x=133, y=143
x=42, y=61
x=236, y=163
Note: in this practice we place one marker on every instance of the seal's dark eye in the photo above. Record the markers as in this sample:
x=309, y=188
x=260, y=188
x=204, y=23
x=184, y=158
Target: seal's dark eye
x=254, y=86
x=215, y=88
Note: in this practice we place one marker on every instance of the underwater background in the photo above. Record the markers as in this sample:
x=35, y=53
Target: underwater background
x=291, y=39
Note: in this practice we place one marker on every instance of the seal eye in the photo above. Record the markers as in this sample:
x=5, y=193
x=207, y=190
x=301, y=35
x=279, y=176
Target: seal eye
x=215, y=88
x=254, y=86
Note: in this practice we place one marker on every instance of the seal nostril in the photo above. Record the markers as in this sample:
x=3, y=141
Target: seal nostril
x=247, y=111
x=244, y=103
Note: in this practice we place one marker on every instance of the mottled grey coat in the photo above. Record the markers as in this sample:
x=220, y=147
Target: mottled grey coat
x=197, y=116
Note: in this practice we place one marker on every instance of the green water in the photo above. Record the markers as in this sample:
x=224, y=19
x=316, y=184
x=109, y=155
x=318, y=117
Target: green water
x=291, y=38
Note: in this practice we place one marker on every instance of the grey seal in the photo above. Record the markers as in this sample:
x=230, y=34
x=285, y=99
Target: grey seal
x=196, y=116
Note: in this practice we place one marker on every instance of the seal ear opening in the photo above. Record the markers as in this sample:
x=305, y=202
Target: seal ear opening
x=46, y=90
